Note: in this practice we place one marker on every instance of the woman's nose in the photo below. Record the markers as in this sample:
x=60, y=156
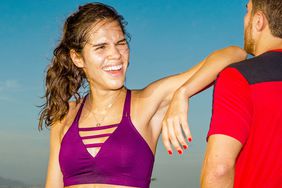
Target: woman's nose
x=114, y=52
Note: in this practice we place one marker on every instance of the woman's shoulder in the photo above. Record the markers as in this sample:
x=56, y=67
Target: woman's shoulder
x=59, y=128
x=73, y=109
x=137, y=97
x=140, y=94
x=144, y=98
x=143, y=106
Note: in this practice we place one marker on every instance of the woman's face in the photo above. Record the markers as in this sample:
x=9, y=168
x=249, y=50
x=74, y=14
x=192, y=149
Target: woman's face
x=105, y=56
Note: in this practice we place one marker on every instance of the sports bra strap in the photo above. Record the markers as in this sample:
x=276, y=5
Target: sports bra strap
x=126, y=107
x=80, y=108
x=96, y=145
x=96, y=136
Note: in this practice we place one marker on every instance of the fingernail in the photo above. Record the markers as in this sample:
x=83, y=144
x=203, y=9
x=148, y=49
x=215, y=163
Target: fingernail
x=190, y=139
x=180, y=152
x=185, y=147
x=169, y=152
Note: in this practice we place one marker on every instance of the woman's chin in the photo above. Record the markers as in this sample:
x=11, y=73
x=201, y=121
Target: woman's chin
x=116, y=85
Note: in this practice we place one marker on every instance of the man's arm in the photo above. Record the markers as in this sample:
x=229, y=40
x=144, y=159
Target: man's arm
x=218, y=165
x=229, y=129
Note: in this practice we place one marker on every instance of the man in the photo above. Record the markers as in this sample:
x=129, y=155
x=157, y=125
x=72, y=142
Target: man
x=245, y=138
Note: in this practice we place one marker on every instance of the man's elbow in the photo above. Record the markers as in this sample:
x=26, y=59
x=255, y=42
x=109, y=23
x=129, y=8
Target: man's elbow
x=220, y=174
x=222, y=170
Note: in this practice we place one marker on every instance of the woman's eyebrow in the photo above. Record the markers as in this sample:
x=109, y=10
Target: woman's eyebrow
x=99, y=44
x=104, y=43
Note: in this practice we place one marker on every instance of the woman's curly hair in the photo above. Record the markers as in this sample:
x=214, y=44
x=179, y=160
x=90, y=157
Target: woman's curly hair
x=64, y=79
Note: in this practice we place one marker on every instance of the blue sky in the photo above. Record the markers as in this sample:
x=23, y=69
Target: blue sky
x=168, y=37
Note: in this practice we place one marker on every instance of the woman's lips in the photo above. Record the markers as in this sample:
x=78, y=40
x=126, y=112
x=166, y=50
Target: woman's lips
x=114, y=70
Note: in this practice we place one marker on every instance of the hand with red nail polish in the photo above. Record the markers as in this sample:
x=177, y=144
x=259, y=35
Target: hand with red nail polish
x=180, y=152
x=175, y=127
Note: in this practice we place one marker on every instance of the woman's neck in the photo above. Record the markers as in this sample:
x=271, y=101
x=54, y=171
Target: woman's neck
x=101, y=98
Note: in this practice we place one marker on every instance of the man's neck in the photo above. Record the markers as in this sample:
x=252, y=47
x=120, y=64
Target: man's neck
x=268, y=43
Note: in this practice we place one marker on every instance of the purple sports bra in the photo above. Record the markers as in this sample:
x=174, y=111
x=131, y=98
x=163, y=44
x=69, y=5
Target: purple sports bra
x=123, y=159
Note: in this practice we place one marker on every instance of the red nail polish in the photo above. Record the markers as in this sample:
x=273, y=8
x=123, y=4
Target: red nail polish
x=180, y=152
x=185, y=147
x=190, y=139
x=169, y=152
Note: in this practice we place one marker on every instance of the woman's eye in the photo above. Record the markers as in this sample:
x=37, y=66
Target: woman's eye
x=122, y=43
x=100, y=48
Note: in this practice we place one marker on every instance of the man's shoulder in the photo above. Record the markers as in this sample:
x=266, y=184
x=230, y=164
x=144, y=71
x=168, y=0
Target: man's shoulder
x=239, y=70
x=263, y=68
x=246, y=66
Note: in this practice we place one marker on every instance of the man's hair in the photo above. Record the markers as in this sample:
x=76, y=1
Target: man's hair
x=273, y=12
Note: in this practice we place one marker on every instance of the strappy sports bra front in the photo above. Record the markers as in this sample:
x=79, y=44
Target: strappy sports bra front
x=124, y=158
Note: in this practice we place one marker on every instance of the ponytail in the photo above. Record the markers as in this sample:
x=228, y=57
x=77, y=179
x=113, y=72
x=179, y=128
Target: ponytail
x=63, y=81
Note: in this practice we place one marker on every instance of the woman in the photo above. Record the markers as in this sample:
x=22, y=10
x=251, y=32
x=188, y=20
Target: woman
x=109, y=138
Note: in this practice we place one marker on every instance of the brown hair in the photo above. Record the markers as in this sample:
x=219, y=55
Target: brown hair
x=64, y=79
x=273, y=12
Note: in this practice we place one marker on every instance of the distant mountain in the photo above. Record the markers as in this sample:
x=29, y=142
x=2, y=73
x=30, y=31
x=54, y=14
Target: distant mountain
x=8, y=183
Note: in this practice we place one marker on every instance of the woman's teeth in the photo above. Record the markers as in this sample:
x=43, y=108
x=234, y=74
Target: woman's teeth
x=113, y=68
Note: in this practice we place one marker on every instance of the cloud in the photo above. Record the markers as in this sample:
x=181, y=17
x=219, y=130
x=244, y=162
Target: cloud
x=4, y=98
x=8, y=86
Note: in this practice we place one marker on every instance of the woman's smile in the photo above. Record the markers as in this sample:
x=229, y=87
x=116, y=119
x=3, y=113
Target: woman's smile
x=114, y=70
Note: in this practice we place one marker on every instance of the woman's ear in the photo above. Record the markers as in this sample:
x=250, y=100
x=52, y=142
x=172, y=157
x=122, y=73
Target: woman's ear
x=76, y=58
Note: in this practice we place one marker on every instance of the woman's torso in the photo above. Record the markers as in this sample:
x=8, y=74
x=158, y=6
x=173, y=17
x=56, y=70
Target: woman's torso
x=141, y=130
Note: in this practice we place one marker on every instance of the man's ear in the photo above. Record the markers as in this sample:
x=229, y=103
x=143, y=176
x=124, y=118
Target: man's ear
x=76, y=58
x=259, y=21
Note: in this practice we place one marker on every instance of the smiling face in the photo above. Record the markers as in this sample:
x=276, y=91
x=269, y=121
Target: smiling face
x=105, y=56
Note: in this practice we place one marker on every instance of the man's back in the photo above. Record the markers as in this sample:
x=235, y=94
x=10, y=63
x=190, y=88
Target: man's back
x=251, y=92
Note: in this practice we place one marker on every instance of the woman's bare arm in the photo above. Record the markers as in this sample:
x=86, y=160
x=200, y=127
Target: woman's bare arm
x=176, y=118
x=157, y=96
x=54, y=175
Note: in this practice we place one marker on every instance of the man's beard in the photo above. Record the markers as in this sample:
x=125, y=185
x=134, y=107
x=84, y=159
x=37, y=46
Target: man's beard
x=249, y=42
